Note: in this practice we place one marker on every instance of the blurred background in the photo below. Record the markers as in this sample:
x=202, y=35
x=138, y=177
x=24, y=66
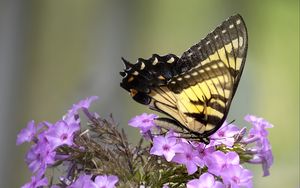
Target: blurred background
x=54, y=53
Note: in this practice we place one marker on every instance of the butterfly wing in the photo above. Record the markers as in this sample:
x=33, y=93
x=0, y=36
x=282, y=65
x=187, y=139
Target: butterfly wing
x=228, y=43
x=196, y=89
x=217, y=63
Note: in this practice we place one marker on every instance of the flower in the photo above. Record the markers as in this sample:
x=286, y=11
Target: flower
x=259, y=127
x=264, y=157
x=254, y=120
x=206, y=180
x=262, y=150
x=166, y=146
x=106, y=181
x=267, y=161
x=225, y=135
x=203, y=149
x=36, y=181
x=236, y=177
x=85, y=103
x=83, y=181
x=144, y=122
x=39, y=156
x=189, y=157
x=61, y=133
x=72, y=115
x=218, y=161
x=27, y=134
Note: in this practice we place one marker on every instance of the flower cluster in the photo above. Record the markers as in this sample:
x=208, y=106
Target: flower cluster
x=97, y=154
x=47, y=141
x=218, y=164
x=85, y=181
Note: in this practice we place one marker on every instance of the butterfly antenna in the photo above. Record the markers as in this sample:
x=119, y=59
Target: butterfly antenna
x=232, y=121
x=126, y=63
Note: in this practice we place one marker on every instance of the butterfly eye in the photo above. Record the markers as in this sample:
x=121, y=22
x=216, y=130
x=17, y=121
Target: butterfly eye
x=133, y=92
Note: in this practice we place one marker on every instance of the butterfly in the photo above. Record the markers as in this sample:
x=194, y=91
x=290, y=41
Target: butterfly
x=195, y=90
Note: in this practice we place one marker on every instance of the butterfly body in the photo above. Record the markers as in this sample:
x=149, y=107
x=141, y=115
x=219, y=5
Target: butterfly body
x=196, y=89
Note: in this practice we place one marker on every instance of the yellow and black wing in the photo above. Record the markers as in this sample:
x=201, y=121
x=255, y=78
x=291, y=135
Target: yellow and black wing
x=196, y=89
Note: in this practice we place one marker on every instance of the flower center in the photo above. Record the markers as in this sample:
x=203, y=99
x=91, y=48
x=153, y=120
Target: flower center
x=223, y=166
x=188, y=156
x=145, y=120
x=236, y=179
x=166, y=147
x=64, y=136
x=221, y=134
x=39, y=156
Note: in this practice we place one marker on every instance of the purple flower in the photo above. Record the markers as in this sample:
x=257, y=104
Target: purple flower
x=236, y=177
x=264, y=157
x=259, y=127
x=189, y=157
x=254, y=120
x=203, y=149
x=106, y=181
x=218, y=161
x=39, y=156
x=267, y=161
x=259, y=134
x=36, y=181
x=27, y=134
x=166, y=146
x=85, y=103
x=42, y=136
x=225, y=135
x=83, y=181
x=72, y=115
x=61, y=133
x=144, y=122
x=206, y=180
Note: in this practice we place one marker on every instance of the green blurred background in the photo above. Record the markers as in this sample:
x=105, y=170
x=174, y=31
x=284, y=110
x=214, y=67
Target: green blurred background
x=53, y=53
